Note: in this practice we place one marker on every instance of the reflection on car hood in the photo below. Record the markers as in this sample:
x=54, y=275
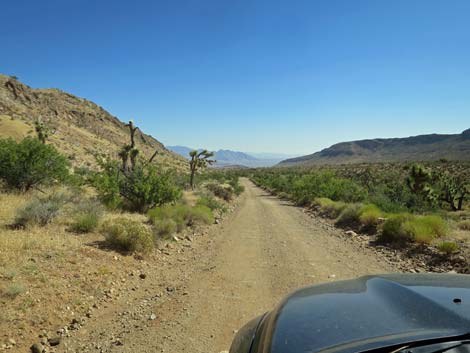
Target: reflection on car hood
x=368, y=313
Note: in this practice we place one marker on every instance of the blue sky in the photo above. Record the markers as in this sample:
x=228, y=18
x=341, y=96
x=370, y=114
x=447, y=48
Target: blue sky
x=286, y=76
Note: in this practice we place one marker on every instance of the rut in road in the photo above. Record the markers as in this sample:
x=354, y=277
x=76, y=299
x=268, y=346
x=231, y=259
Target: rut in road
x=264, y=250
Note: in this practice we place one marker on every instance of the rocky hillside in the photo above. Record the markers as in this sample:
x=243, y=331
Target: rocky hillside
x=80, y=127
x=415, y=148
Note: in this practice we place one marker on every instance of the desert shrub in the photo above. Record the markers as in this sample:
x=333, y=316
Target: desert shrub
x=165, y=227
x=423, y=229
x=139, y=189
x=87, y=216
x=211, y=202
x=30, y=163
x=41, y=211
x=406, y=227
x=200, y=214
x=181, y=215
x=128, y=235
x=350, y=215
x=447, y=247
x=393, y=230
x=464, y=225
x=223, y=192
x=369, y=216
x=329, y=208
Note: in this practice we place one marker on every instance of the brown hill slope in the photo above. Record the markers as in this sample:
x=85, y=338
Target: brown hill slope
x=81, y=127
x=415, y=148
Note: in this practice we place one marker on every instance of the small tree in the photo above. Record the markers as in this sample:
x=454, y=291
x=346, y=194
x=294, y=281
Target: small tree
x=199, y=160
x=30, y=163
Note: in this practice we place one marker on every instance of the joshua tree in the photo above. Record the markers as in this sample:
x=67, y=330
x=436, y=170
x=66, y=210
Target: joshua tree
x=129, y=152
x=42, y=130
x=199, y=160
x=453, y=190
x=419, y=182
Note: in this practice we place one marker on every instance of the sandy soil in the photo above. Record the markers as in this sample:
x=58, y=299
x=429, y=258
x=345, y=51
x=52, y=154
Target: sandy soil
x=200, y=292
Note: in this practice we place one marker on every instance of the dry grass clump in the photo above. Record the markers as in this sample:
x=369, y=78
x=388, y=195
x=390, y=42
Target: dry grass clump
x=128, y=235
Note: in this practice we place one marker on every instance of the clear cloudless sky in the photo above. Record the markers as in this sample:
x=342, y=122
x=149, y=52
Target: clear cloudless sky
x=289, y=76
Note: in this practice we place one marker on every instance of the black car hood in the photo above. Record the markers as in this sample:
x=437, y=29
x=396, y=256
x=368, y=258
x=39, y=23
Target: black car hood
x=367, y=313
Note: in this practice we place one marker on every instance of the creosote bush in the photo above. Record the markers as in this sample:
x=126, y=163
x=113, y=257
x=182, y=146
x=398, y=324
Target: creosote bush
x=87, y=215
x=41, y=211
x=128, y=235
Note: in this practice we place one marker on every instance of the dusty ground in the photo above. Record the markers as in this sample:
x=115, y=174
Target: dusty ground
x=199, y=293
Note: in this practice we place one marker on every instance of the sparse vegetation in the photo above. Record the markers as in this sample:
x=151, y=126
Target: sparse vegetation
x=128, y=235
x=87, y=215
x=41, y=211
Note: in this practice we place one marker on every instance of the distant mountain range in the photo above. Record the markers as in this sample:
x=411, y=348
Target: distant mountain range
x=228, y=158
x=415, y=148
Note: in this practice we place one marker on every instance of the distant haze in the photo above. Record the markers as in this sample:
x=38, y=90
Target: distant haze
x=236, y=158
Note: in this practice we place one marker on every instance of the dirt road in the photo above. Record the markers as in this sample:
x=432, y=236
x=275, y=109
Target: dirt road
x=199, y=294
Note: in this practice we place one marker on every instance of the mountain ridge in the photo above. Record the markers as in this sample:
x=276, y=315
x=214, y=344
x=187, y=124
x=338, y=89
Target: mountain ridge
x=399, y=149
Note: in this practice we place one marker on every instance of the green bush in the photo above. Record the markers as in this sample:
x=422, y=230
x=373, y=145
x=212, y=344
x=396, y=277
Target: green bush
x=329, y=208
x=393, y=230
x=423, y=229
x=447, y=247
x=139, y=189
x=41, y=211
x=87, y=216
x=369, y=216
x=464, y=225
x=30, y=163
x=128, y=235
x=406, y=227
x=349, y=216
x=200, y=214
